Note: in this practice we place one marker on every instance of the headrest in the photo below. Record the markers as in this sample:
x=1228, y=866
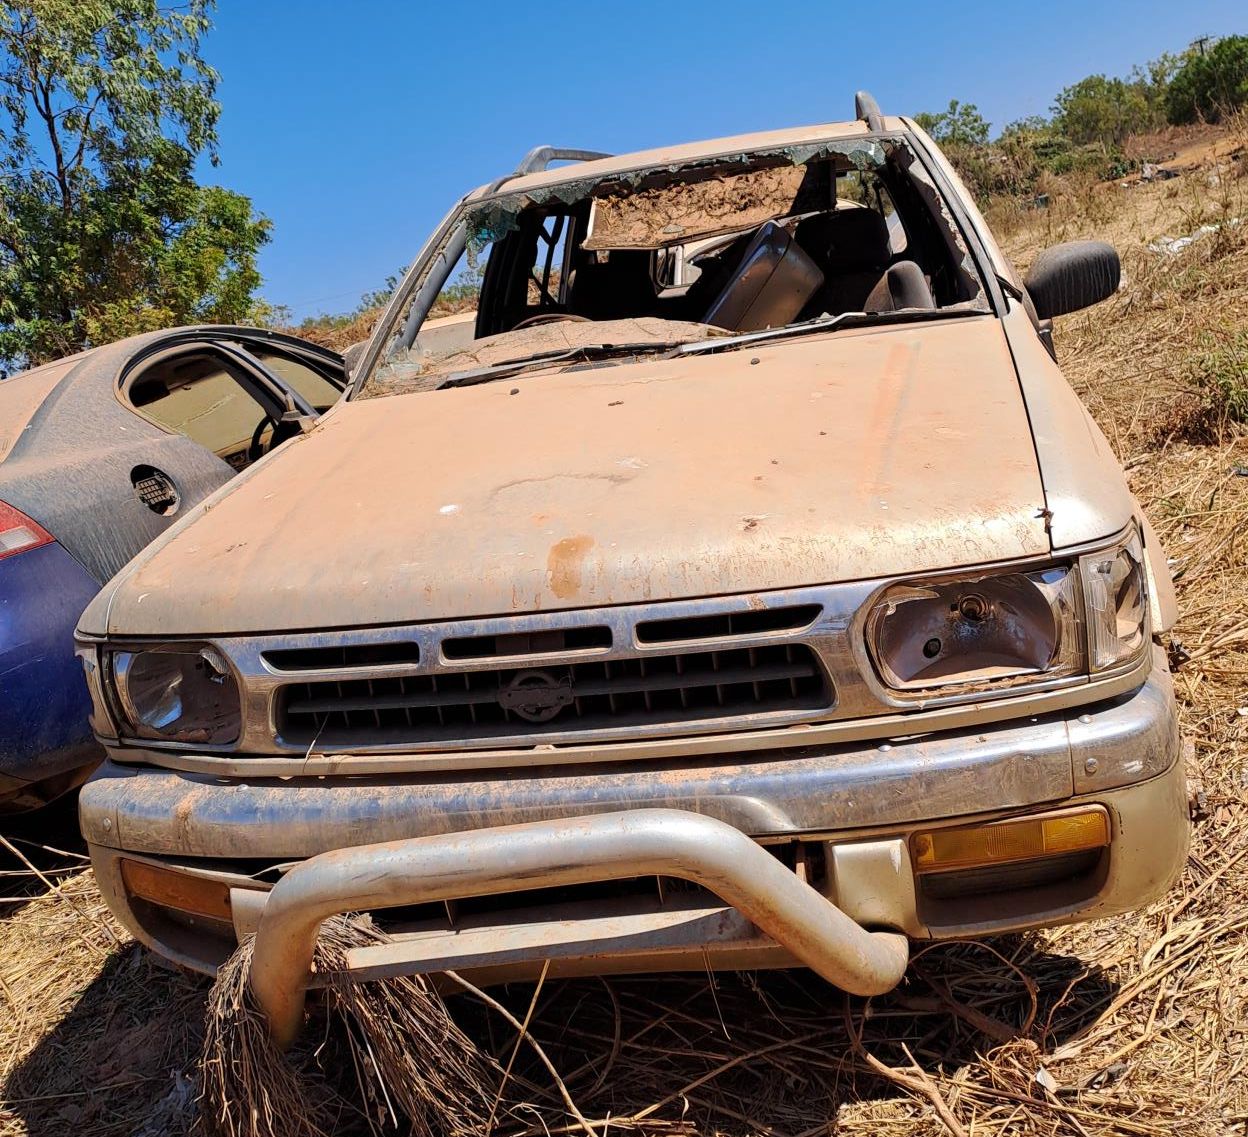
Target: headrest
x=850, y=238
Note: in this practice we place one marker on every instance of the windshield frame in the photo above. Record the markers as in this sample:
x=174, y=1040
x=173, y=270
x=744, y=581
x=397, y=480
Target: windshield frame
x=409, y=305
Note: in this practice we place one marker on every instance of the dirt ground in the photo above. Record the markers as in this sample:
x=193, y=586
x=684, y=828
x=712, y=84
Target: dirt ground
x=1136, y=1025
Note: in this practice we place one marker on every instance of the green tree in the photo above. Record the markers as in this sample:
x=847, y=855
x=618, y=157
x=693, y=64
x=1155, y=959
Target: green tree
x=1033, y=124
x=104, y=107
x=1209, y=83
x=1097, y=109
x=961, y=124
x=1154, y=77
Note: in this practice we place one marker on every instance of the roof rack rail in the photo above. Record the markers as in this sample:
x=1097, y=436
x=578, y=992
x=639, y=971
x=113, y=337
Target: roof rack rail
x=867, y=109
x=540, y=158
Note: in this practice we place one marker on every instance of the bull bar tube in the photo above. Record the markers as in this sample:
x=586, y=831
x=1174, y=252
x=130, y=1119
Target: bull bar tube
x=611, y=846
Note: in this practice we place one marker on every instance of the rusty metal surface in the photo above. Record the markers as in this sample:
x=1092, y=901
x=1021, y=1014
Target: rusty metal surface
x=778, y=794
x=809, y=471
x=658, y=842
x=832, y=458
x=1085, y=491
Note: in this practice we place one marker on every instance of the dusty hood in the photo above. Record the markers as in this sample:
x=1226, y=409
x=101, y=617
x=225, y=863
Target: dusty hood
x=841, y=457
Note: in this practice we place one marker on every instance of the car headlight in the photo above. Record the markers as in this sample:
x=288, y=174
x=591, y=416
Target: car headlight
x=994, y=631
x=177, y=696
x=101, y=716
x=977, y=632
x=1117, y=603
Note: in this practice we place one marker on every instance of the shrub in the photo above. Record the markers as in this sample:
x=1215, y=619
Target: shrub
x=1104, y=111
x=1016, y=164
x=1219, y=374
x=1210, y=84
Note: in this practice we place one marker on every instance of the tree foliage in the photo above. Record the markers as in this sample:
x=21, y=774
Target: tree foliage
x=1097, y=109
x=961, y=124
x=104, y=107
x=1211, y=83
x=1084, y=135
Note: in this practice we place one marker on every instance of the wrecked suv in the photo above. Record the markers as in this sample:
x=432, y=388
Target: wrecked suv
x=742, y=586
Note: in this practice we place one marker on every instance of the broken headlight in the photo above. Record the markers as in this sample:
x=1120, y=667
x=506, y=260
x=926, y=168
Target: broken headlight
x=1117, y=603
x=997, y=630
x=177, y=696
x=972, y=634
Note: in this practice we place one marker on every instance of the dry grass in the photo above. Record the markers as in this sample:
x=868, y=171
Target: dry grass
x=408, y=1057
x=340, y=337
x=95, y=1037
x=1136, y=1025
x=1135, y=360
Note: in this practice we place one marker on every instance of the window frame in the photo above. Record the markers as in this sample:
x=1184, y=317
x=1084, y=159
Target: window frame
x=274, y=398
x=410, y=302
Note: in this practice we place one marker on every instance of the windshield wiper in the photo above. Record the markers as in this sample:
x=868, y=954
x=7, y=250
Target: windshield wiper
x=675, y=348
x=587, y=353
x=825, y=323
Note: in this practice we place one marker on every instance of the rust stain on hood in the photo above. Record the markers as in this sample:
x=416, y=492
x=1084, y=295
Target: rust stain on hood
x=566, y=565
x=836, y=457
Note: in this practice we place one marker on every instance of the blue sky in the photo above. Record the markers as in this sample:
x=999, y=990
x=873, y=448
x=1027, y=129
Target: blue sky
x=354, y=126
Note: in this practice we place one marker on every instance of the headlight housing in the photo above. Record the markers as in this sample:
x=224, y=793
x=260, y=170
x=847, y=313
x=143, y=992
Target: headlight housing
x=991, y=632
x=1117, y=603
x=186, y=694
x=974, y=633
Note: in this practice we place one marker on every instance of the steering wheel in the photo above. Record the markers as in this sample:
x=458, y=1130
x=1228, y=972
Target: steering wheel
x=257, y=449
x=549, y=318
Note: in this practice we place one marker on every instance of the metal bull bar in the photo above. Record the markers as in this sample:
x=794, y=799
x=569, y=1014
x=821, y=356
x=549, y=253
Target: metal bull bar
x=611, y=846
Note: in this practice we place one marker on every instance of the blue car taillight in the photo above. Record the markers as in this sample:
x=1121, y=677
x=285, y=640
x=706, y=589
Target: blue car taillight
x=18, y=533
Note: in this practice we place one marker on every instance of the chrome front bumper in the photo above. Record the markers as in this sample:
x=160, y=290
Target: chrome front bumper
x=857, y=806
x=658, y=842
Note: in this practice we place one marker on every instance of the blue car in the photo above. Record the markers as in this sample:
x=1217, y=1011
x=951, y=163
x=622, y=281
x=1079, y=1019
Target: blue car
x=99, y=454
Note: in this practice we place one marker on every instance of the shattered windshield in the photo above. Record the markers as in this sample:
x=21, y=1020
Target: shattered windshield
x=592, y=271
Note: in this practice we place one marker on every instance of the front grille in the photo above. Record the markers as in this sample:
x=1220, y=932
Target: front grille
x=751, y=622
x=527, y=643
x=342, y=655
x=573, y=697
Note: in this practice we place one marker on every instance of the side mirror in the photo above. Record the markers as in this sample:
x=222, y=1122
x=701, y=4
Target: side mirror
x=1075, y=275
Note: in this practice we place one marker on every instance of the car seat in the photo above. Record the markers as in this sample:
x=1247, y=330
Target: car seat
x=772, y=284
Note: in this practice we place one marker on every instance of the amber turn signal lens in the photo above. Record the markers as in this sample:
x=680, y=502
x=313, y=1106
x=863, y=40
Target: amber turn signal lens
x=1000, y=842
x=177, y=890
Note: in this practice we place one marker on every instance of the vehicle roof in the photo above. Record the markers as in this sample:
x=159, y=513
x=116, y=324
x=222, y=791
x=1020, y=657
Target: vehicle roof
x=693, y=152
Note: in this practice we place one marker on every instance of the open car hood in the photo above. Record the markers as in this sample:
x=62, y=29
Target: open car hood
x=840, y=456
